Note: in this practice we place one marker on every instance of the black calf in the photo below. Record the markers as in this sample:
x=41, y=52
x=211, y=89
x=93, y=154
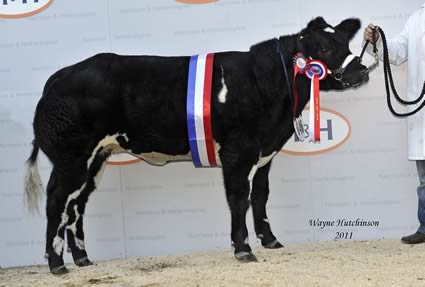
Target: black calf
x=137, y=104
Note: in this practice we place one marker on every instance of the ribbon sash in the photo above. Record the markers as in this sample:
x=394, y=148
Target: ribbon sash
x=201, y=141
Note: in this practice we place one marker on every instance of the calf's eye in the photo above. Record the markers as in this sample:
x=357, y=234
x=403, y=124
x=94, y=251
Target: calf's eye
x=325, y=51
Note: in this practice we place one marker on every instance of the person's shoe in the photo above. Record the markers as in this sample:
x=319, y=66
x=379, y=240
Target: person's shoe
x=414, y=238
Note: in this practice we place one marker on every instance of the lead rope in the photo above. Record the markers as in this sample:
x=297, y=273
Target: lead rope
x=389, y=82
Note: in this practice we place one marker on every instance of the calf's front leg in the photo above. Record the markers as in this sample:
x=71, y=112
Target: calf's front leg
x=259, y=197
x=236, y=169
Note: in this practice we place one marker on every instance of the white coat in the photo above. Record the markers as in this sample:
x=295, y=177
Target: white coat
x=410, y=45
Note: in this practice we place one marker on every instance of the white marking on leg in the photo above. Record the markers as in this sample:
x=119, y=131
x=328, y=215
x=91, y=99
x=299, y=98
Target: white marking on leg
x=58, y=241
x=252, y=172
x=80, y=243
x=58, y=244
x=72, y=196
x=251, y=177
x=246, y=241
x=265, y=160
x=223, y=92
x=73, y=228
x=58, y=247
x=266, y=220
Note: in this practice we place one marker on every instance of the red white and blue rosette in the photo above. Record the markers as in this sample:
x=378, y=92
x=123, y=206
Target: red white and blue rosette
x=317, y=68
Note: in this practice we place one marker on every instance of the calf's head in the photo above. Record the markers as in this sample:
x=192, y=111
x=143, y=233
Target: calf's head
x=321, y=41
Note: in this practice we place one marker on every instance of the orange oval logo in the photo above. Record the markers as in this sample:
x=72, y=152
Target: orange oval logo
x=122, y=159
x=22, y=8
x=196, y=1
x=335, y=129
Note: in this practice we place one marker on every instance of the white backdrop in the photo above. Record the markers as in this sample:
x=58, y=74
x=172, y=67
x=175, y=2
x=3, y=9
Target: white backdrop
x=145, y=210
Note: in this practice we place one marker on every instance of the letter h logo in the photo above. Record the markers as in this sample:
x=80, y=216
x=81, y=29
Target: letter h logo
x=327, y=129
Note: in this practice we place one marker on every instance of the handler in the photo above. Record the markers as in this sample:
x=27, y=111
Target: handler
x=409, y=46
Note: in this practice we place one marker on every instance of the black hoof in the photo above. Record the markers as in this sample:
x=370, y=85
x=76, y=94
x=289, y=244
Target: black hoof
x=61, y=270
x=83, y=262
x=273, y=245
x=246, y=257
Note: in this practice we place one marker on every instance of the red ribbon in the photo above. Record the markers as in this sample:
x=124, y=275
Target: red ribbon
x=316, y=106
x=294, y=89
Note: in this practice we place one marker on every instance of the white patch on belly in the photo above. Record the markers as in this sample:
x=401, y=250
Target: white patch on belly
x=156, y=158
x=223, y=92
x=160, y=159
x=217, y=156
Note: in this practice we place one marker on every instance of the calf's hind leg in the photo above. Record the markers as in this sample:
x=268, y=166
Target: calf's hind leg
x=64, y=184
x=75, y=231
x=70, y=187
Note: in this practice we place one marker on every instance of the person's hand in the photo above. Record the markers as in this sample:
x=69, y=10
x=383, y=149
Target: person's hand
x=371, y=33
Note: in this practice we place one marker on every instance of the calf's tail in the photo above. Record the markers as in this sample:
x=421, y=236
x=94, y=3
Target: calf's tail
x=33, y=185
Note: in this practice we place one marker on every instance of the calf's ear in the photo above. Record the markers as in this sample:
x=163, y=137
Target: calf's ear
x=349, y=27
x=317, y=23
